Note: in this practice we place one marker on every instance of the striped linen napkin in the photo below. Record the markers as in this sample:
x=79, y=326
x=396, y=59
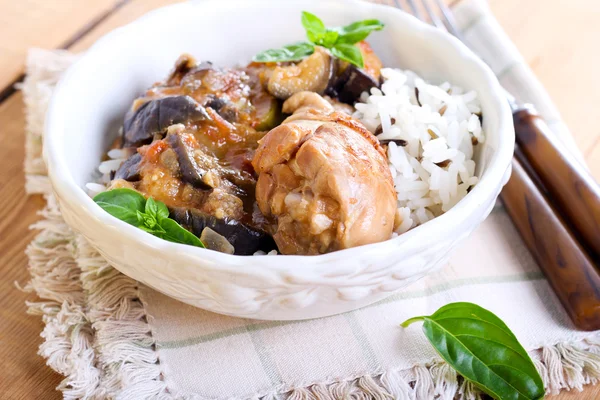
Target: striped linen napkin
x=114, y=338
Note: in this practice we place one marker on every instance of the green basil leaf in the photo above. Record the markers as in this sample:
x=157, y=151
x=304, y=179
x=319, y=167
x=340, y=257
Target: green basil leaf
x=300, y=49
x=156, y=231
x=156, y=209
x=149, y=215
x=292, y=52
x=148, y=221
x=173, y=232
x=357, y=31
x=328, y=39
x=315, y=28
x=479, y=346
x=140, y=218
x=348, y=52
x=313, y=37
x=122, y=204
x=151, y=207
x=162, y=212
x=338, y=39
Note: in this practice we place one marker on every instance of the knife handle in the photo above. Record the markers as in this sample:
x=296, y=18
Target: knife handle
x=567, y=267
x=570, y=186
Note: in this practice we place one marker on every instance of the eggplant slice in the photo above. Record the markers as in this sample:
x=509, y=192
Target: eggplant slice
x=223, y=107
x=130, y=169
x=155, y=116
x=245, y=239
x=183, y=65
x=348, y=87
x=312, y=74
x=191, y=171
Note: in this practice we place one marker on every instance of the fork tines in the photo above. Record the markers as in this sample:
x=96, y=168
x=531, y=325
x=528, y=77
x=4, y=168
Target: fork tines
x=437, y=14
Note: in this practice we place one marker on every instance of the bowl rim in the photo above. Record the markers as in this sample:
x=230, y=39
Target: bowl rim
x=442, y=226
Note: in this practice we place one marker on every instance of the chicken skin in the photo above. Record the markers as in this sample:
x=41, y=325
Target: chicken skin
x=324, y=181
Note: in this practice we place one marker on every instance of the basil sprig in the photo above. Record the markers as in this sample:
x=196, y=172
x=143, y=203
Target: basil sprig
x=340, y=40
x=149, y=215
x=291, y=52
x=479, y=346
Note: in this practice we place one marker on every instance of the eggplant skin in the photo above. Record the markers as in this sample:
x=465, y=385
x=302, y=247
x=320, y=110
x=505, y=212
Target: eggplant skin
x=348, y=87
x=130, y=169
x=245, y=239
x=190, y=171
x=223, y=107
x=214, y=102
x=155, y=116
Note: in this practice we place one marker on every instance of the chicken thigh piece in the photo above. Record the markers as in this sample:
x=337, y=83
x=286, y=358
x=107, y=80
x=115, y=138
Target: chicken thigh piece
x=323, y=179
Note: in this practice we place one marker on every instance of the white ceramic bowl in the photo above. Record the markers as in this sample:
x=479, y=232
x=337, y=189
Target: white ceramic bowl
x=91, y=99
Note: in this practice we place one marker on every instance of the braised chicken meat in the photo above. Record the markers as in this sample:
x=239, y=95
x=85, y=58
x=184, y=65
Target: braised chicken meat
x=324, y=179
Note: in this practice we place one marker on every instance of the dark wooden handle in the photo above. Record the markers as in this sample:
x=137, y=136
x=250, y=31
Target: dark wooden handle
x=567, y=267
x=569, y=184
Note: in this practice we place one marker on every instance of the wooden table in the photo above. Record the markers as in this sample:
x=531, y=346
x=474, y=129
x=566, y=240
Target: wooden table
x=558, y=39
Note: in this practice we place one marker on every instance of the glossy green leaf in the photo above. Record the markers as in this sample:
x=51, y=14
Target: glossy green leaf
x=328, y=39
x=151, y=207
x=173, y=232
x=148, y=215
x=149, y=223
x=313, y=37
x=340, y=40
x=479, y=346
x=122, y=204
x=156, y=209
x=348, y=52
x=162, y=212
x=292, y=52
x=315, y=28
x=357, y=31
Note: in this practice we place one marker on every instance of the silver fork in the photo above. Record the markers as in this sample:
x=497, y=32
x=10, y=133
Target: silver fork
x=448, y=24
x=571, y=194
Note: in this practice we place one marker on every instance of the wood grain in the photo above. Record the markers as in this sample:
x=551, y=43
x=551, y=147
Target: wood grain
x=42, y=23
x=559, y=41
x=568, y=183
x=24, y=374
x=568, y=268
x=564, y=60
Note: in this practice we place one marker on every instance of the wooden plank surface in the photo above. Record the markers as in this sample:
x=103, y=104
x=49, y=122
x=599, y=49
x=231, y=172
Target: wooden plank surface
x=24, y=372
x=42, y=23
x=557, y=38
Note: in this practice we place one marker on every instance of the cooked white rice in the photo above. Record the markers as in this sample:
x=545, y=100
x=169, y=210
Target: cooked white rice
x=433, y=168
x=116, y=157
